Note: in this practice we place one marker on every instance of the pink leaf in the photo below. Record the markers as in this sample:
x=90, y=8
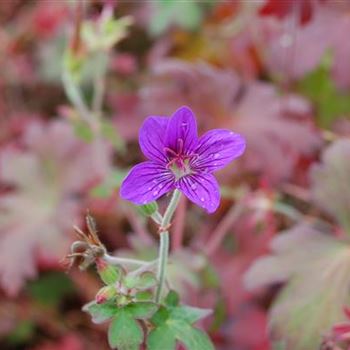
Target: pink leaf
x=315, y=266
x=277, y=129
x=330, y=181
x=37, y=214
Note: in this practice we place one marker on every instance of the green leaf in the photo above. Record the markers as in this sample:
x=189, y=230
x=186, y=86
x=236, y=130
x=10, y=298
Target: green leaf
x=161, y=338
x=160, y=316
x=124, y=332
x=130, y=281
x=141, y=282
x=172, y=299
x=143, y=296
x=110, y=133
x=146, y=280
x=174, y=323
x=319, y=87
x=22, y=333
x=83, y=130
x=210, y=277
x=104, y=36
x=220, y=315
x=186, y=14
x=101, y=312
x=51, y=288
x=112, y=182
x=189, y=314
x=142, y=310
x=192, y=338
x=279, y=345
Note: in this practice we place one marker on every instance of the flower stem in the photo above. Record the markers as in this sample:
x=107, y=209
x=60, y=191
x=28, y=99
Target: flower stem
x=113, y=260
x=157, y=218
x=164, y=243
x=74, y=95
x=99, y=84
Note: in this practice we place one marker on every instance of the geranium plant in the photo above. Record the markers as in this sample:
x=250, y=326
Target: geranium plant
x=135, y=298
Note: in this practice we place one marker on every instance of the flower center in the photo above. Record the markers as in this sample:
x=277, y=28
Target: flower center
x=180, y=167
x=179, y=163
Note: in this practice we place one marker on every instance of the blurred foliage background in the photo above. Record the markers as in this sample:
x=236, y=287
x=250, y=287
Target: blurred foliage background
x=77, y=80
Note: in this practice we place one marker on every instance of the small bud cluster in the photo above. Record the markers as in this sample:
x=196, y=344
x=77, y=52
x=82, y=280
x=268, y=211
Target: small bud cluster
x=122, y=287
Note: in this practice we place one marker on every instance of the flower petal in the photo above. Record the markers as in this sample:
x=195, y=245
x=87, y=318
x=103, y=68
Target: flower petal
x=146, y=182
x=151, y=138
x=201, y=189
x=182, y=126
x=217, y=148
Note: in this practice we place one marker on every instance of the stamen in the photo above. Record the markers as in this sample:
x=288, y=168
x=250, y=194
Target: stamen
x=170, y=151
x=180, y=146
x=171, y=163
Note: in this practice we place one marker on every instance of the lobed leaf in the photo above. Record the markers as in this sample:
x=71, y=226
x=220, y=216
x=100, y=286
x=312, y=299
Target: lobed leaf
x=192, y=338
x=101, y=312
x=174, y=323
x=316, y=267
x=141, y=310
x=330, y=184
x=124, y=332
x=161, y=338
x=141, y=282
x=189, y=314
x=42, y=205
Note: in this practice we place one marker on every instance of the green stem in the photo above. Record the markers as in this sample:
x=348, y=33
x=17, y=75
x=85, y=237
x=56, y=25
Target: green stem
x=164, y=243
x=147, y=267
x=113, y=260
x=157, y=218
x=75, y=97
x=99, y=84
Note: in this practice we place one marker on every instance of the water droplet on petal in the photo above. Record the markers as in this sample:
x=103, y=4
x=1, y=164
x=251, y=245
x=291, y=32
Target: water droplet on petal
x=149, y=188
x=193, y=186
x=155, y=193
x=160, y=185
x=202, y=199
x=216, y=155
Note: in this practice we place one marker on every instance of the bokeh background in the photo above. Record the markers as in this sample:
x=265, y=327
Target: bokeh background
x=77, y=80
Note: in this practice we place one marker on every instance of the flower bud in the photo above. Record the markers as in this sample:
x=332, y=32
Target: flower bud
x=108, y=273
x=148, y=209
x=104, y=294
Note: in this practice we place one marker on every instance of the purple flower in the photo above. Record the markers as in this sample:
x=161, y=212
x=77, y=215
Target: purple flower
x=179, y=159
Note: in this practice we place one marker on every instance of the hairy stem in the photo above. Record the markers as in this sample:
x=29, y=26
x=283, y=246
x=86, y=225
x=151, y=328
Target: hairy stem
x=177, y=234
x=157, y=218
x=74, y=95
x=147, y=267
x=99, y=84
x=164, y=243
x=113, y=260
